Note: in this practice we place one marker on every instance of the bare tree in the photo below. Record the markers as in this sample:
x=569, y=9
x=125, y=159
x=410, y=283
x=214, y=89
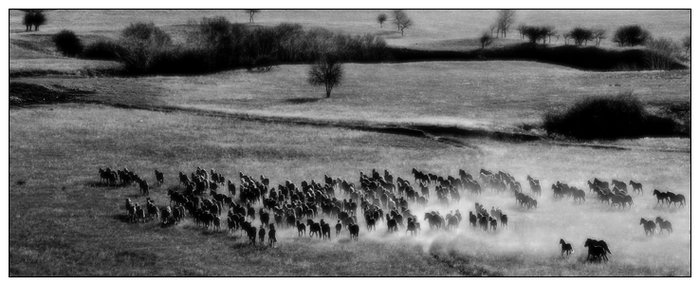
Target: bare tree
x=251, y=14
x=504, y=21
x=598, y=35
x=381, y=19
x=402, y=21
x=521, y=29
x=328, y=72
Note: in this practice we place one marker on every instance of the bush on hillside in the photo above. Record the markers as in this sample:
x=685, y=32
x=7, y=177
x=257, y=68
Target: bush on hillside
x=143, y=43
x=67, y=43
x=608, y=117
x=103, y=50
x=632, y=35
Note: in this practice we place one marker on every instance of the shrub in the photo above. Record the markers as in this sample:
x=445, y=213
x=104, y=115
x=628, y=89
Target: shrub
x=485, y=39
x=632, y=35
x=67, y=43
x=663, y=53
x=103, y=50
x=608, y=117
x=142, y=43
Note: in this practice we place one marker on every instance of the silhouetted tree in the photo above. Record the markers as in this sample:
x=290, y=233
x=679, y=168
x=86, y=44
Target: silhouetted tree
x=632, y=35
x=402, y=21
x=581, y=35
x=67, y=43
x=598, y=35
x=33, y=18
x=251, y=14
x=537, y=33
x=485, y=40
x=381, y=19
x=504, y=21
x=328, y=72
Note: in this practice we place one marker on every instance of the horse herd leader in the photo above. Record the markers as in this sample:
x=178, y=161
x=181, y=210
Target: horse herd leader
x=378, y=199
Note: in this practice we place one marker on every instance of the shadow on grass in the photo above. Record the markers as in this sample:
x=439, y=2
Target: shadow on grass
x=303, y=100
x=25, y=94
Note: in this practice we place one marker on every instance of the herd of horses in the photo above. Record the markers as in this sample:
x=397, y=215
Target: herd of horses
x=378, y=199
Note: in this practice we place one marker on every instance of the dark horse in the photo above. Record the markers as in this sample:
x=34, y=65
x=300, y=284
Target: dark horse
x=597, y=250
x=566, y=248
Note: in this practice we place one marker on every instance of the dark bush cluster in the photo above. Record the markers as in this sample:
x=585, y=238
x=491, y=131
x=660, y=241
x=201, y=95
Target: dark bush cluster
x=537, y=33
x=217, y=44
x=609, y=117
x=103, y=50
x=632, y=35
x=586, y=58
x=67, y=43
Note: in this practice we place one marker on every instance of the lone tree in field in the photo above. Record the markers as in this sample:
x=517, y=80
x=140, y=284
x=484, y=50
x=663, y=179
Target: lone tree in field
x=251, y=14
x=485, y=40
x=328, y=72
x=504, y=21
x=33, y=18
x=632, y=35
x=402, y=21
x=381, y=19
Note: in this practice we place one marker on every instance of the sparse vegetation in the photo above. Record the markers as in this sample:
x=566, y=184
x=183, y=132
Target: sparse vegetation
x=609, y=117
x=67, y=43
x=632, y=35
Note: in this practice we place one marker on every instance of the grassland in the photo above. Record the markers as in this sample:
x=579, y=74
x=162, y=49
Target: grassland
x=64, y=225
x=493, y=95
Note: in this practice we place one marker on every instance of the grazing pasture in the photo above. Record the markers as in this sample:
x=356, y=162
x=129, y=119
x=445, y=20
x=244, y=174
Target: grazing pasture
x=71, y=119
x=64, y=222
x=487, y=95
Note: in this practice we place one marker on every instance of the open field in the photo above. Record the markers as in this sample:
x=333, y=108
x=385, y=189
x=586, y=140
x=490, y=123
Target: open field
x=64, y=225
x=71, y=116
x=491, y=95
